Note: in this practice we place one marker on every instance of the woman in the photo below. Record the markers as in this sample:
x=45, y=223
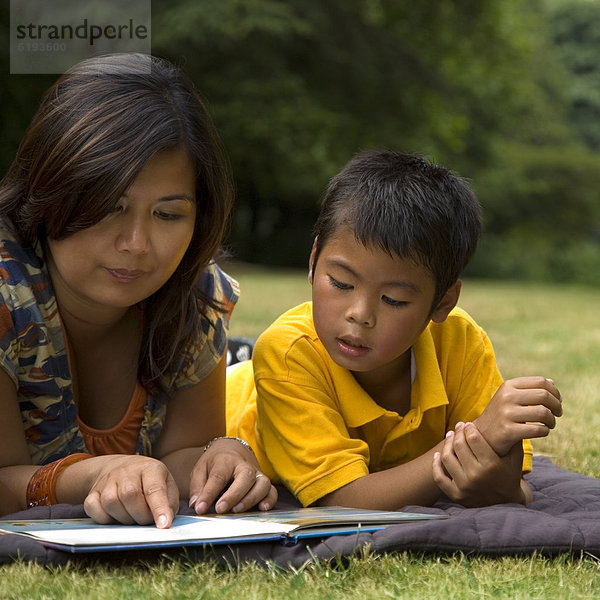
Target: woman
x=113, y=317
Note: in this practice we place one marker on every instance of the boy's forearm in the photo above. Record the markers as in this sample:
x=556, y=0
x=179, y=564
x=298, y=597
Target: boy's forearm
x=527, y=492
x=410, y=483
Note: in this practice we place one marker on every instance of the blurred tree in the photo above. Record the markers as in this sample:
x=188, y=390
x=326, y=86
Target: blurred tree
x=576, y=32
x=297, y=87
x=19, y=97
x=540, y=193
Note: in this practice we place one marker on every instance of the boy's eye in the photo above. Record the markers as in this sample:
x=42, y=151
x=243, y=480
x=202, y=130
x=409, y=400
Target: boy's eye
x=393, y=302
x=338, y=284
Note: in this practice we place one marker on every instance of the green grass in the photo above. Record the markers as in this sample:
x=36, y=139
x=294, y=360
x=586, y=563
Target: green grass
x=536, y=329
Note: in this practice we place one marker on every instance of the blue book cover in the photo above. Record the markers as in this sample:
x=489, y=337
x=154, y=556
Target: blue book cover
x=85, y=535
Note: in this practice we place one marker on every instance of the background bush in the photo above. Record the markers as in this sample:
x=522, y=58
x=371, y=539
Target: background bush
x=505, y=93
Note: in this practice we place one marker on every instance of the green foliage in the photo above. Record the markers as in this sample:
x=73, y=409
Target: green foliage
x=576, y=32
x=297, y=87
x=19, y=95
x=542, y=215
x=506, y=93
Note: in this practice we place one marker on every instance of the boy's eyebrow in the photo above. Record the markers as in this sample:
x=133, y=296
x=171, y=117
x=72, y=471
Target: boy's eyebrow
x=393, y=282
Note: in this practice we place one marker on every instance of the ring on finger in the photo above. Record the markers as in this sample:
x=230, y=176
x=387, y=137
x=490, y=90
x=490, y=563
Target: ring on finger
x=259, y=475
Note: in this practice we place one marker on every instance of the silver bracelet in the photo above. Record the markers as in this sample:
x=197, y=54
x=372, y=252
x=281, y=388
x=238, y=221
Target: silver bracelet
x=229, y=437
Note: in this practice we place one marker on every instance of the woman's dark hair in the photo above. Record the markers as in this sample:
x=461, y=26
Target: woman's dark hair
x=408, y=207
x=94, y=131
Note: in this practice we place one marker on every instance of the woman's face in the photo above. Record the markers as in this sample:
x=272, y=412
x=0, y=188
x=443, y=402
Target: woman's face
x=133, y=251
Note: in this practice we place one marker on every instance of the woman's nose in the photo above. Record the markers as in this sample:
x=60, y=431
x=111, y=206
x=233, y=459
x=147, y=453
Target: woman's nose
x=134, y=235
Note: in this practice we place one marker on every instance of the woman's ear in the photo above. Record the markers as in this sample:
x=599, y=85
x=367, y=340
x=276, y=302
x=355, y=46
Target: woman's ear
x=311, y=261
x=447, y=303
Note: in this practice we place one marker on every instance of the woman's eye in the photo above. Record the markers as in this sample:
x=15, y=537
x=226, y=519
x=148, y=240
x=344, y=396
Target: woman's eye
x=393, y=302
x=167, y=216
x=339, y=284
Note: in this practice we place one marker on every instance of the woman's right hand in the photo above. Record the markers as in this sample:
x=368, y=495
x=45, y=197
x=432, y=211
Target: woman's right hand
x=131, y=489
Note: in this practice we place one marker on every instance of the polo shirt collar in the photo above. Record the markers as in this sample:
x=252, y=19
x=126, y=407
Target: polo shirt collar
x=358, y=408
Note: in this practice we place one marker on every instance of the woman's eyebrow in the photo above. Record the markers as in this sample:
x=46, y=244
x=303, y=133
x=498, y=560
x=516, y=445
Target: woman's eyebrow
x=171, y=197
x=178, y=197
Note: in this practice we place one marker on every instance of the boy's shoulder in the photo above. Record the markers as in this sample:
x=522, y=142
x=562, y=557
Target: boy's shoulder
x=293, y=323
x=459, y=327
x=459, y=317
x=291, y=337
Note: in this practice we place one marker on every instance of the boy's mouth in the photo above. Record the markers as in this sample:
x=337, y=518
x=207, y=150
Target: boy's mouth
x=352, y=346
x=351, y=343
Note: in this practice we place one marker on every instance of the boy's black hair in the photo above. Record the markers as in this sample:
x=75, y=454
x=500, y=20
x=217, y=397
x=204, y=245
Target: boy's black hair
x=408, y=207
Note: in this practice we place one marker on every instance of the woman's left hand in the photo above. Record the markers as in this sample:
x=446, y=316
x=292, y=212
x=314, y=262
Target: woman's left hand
x=229, y=462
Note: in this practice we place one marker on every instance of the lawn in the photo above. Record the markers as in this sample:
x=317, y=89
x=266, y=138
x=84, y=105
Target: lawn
x=536, y=329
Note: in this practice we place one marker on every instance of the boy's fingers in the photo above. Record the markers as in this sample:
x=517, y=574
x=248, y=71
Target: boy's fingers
x=536, y=413
x=464, y=453
x=477, y=443
x=441, y=477
x=540, y=397
x=449, y=459
x=552, y=398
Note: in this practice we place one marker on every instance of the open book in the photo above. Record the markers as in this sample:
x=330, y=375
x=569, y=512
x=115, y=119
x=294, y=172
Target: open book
x=84, y=535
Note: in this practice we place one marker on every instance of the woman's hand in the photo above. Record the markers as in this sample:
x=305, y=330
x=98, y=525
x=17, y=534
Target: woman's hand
x=229, y=462
x=132, y=489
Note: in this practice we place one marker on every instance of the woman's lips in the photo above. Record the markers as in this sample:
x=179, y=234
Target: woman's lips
x=125, y=275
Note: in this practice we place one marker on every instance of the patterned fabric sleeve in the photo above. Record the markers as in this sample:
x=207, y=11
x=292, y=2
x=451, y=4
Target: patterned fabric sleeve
x=33, y=352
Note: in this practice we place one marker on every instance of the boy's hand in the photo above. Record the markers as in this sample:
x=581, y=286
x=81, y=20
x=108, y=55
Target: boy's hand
x=469, y=472
x=521, y=408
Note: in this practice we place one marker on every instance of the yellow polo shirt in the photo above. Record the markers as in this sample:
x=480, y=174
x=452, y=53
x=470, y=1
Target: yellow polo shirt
x=315, y=429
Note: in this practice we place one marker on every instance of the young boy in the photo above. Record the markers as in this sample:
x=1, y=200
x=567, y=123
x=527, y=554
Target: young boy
x=381, y=393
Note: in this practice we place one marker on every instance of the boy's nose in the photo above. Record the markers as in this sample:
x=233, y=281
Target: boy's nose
x=361, y=312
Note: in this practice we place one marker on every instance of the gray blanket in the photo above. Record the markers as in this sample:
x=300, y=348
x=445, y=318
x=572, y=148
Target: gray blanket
x=563, y=517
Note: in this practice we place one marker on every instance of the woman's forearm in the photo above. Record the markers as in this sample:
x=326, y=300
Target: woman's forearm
x=13, y=482
x=181, y=463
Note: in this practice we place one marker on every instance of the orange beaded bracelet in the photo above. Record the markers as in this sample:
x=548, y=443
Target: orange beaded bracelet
x=41, y=489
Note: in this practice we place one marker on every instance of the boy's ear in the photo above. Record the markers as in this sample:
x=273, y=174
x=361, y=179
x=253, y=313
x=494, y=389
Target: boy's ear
x=447, y=303
x=311, y=261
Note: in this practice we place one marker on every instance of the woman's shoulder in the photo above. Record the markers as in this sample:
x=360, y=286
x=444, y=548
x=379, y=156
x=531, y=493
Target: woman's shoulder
x=21, y=265
x=219, y=286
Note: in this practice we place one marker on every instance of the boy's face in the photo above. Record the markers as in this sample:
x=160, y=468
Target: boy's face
x=369, y=307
